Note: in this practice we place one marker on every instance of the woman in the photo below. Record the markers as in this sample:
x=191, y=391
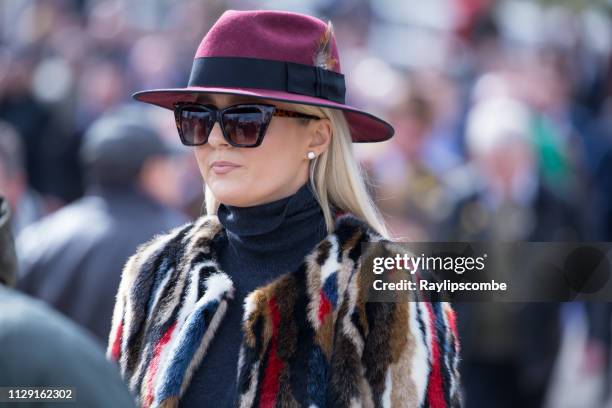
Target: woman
x=258, y=303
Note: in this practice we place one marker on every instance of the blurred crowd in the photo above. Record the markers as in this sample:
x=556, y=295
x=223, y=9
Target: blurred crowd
x=503, y=118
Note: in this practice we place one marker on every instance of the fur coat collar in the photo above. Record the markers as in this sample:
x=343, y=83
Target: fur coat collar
x=311, y=323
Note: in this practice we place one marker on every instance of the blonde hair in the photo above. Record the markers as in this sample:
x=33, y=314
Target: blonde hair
x=335, y=176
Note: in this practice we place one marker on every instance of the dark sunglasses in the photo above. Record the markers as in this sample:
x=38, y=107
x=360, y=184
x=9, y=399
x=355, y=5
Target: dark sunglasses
x=243, y=125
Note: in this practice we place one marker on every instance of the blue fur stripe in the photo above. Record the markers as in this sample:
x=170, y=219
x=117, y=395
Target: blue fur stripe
x=317, y=377
x=191, y=335
x=330, y=289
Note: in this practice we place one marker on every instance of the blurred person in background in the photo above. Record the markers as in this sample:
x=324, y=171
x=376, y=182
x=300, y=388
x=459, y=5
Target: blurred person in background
x=558, y=126
x=509, y=349
x=41, y=348
x=503, y=198
x=21, y=110
x=72, y=259
x=47, y=139
x=410, y=193
x=25, y=203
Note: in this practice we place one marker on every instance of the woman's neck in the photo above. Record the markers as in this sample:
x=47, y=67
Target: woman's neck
x=284, y=225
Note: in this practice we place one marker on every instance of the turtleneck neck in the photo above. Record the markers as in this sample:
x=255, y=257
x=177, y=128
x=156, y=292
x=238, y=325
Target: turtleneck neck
x=275, y=226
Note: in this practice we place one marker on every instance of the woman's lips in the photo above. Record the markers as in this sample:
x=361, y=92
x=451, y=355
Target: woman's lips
x=223, y=167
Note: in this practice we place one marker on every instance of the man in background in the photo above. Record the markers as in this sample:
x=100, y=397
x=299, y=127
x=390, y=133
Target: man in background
x=73, y=258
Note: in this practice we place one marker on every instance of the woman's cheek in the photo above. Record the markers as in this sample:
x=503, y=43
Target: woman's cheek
x=200, y=156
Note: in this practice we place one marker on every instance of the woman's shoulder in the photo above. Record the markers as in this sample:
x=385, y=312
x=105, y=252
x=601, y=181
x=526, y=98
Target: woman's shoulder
x=173, y=245
x=348, y=224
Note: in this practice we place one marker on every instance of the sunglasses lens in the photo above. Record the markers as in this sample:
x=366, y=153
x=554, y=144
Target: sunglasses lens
x=195, y=125
x=244, y=125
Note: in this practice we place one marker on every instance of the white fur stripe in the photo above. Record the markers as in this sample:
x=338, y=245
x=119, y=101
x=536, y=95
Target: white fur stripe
x=356, y=403
x=247, y=398
x=427, y=326
x=386, y=397
x=217, y=285
x=250, y=305
x=420, y=361
x=348, y=328
x=331, y=264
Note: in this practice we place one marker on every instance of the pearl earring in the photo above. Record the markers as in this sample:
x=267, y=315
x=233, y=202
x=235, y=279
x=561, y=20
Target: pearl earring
x=311, y=155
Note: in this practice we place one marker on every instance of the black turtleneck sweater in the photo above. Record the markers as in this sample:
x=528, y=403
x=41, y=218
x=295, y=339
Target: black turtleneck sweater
x=258, y=244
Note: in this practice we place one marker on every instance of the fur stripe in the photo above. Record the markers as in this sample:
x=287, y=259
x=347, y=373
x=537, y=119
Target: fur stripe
x=330, y=289
x=208, y=336
x=442, y=330
x=386, y=396
x=189, y=337
x=324, y=307
x=170, y=306
x=321, y=264
x=159, y=285
x=118, y=320
x=318, y=369
x=137, y=336
x=116, y=348
x=453, y=355
x=191, y=333
x=247, y=398
x=154, y=365
x=275, y=365
x=420, y=362
x=403, y=391
x=435, y=392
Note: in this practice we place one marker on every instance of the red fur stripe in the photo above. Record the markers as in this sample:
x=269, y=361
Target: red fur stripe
x=275, y=365
x=324, y=306
x=452, y=322
x=339, y=213
x=154, y=364
x=435, y=393
x=116, y=349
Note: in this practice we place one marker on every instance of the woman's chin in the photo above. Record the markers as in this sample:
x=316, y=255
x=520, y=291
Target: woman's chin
x=230, y=193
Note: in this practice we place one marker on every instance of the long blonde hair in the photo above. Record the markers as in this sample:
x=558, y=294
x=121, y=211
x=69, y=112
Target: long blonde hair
x=335, y=176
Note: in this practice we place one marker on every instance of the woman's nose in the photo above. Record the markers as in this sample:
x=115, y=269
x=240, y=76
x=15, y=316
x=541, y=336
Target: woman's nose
x=216, y=139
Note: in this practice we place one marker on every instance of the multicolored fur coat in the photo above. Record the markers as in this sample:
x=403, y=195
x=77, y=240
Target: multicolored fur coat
x=312, y=323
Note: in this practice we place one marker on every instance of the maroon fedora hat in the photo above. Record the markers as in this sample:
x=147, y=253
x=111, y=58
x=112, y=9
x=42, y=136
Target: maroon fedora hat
x=275, y=55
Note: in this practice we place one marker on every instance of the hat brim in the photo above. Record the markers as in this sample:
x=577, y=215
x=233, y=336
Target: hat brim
x=364, y=127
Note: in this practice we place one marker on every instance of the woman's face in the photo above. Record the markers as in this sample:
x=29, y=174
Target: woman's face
x=277, y=168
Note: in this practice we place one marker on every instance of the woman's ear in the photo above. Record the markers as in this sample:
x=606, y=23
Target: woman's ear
x=320, y=136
